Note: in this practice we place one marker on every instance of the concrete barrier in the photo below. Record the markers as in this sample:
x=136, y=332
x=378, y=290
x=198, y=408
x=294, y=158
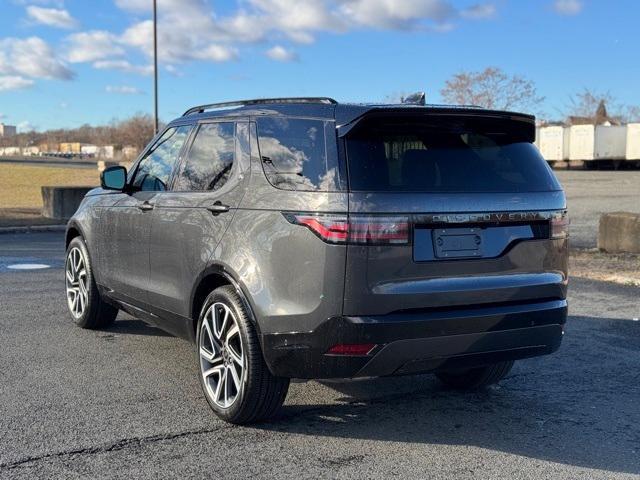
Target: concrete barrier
x=619, y=232
x=62, y=202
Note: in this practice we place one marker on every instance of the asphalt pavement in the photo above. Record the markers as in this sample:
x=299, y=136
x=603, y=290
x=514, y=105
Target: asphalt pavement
x=125, y=402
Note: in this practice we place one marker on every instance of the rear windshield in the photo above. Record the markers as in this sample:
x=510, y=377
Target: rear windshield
x=447, y=156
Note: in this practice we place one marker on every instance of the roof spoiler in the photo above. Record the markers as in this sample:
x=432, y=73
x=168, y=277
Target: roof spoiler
x=525, y=122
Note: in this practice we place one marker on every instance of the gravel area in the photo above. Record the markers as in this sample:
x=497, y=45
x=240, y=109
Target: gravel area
x=591, y=193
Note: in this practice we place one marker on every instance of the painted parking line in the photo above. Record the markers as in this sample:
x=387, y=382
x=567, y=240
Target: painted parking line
x=9, y=264
x=28, y=266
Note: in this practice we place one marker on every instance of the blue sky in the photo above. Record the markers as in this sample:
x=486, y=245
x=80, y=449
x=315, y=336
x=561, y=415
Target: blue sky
x=68, y=62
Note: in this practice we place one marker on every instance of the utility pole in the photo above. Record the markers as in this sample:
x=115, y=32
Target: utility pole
x=155, y=65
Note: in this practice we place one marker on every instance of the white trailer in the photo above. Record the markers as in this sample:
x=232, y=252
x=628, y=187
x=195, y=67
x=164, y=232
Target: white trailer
x=11, y=151
x=89, y=149
x=30, y=151
x=551, y=141
x=633, y=142
x=106, y=151
x=610, y=143
x=582, y=142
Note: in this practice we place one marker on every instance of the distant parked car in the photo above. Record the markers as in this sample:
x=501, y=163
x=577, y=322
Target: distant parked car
x=301, y=238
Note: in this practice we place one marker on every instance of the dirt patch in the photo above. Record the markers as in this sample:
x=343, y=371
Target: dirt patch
x=24, y=217
x=622, y=268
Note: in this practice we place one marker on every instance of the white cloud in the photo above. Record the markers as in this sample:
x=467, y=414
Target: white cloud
x=13, y=82
x=91, y=46
x=33, y=58
x=216, y=53
x=191, y=30
x=568, y=7
x=26, y=126
x=281, y=54
x=53, y=17
x=178, y=44
x=123, y=90
x=123, y=66
x=397, y=14
x=479, y=11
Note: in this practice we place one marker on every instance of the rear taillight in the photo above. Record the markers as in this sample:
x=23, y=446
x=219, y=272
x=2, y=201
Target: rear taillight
x=560, y=226
x=355, y=229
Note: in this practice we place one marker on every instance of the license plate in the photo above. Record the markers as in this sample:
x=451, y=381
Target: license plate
x=457, y=242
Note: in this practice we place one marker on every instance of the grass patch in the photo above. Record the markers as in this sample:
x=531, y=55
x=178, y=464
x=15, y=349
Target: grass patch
x=20, y=184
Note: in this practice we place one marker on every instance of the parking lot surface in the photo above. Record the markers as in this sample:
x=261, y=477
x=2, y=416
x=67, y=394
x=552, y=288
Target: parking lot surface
x=125, y=402
x=589, y=194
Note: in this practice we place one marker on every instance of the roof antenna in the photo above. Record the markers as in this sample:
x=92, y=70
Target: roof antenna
x=418, y=98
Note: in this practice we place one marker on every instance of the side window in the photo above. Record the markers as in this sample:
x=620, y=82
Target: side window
x=155, y=168
x=208, y=164
x=294, y=154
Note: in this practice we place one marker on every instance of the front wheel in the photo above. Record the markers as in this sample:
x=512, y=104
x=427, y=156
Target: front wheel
x=475, y=378
x=234, y=377
x=86, y=306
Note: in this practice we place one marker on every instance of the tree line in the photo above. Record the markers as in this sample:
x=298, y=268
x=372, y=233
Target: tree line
x=135, y=131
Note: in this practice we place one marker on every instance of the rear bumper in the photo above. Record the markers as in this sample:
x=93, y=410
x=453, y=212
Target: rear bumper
x=419, y=341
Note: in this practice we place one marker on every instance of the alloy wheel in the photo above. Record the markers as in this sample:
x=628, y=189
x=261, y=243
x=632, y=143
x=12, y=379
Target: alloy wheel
x=76, y=282
x=221, y=355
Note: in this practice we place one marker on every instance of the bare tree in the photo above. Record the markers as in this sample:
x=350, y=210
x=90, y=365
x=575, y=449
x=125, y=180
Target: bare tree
x=491, y=88
x=590, y=104
x=135, y=131
x=633, y=113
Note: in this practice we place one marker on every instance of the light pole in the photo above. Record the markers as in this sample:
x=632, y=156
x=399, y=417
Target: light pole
x=155, y=66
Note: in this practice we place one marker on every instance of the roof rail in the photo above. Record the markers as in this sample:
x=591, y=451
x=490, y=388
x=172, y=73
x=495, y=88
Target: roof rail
x=455, y=106
x=259, y=101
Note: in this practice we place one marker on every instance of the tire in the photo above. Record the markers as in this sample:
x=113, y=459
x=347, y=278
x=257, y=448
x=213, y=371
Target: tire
x=229, y=349
x=86, y=306
x=476, y=378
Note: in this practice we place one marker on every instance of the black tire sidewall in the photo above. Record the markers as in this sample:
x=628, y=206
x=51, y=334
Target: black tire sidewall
x=246, y=328
x=84, y=319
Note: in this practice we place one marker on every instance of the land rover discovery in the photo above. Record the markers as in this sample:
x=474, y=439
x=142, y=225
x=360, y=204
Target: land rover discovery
x=304, y=238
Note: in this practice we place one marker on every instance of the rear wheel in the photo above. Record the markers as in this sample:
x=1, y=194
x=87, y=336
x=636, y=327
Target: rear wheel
x=475, y=378
x=86, y=306
x=233, y=374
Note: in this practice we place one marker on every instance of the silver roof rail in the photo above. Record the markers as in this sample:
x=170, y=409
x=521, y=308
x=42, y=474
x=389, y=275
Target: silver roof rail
x=259, y=101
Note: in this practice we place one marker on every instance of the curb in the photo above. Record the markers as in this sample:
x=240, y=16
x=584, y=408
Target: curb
x=33, y=229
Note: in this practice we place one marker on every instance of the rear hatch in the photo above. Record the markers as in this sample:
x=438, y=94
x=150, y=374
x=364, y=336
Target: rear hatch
x=450, y=210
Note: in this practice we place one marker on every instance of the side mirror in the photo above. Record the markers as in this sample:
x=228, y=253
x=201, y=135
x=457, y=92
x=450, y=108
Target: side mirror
x=114, y=178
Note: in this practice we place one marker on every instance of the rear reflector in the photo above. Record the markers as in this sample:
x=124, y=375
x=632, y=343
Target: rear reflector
x=356, y=349
x=355, y=229
x=560, y=226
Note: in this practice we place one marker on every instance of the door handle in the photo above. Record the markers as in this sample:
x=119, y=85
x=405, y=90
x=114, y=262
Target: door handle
x=145, y=206
x=218, y=208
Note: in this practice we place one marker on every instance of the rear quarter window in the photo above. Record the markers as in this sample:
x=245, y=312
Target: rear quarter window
x=299, y=154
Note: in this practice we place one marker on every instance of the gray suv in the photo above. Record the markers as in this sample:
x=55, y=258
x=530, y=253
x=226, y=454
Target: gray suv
x=302, y=238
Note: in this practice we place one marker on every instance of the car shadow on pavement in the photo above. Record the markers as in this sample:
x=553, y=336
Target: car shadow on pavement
x=578, y=407
x=132, y=326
